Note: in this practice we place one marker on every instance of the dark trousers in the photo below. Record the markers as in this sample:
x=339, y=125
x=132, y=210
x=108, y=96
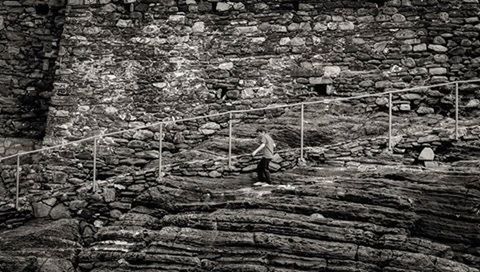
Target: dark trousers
x=262, y=170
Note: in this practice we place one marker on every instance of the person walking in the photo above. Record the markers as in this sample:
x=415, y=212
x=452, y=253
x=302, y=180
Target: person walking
x=267, y=147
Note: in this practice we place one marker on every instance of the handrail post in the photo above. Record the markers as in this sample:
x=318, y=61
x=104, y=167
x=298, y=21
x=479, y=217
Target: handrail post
x=17, y=190
x=301, y=130
x=160, y=150
x=230, y=141
x=390, y=121
x=94, y=186
x=456, y=110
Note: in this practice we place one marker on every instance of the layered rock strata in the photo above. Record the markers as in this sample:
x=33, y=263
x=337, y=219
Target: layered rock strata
x=309, y=221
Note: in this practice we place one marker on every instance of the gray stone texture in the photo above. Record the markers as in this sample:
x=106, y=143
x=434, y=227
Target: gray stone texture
x=29, y=42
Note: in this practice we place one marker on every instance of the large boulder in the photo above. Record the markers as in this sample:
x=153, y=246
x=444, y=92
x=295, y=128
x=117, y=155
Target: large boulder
x=427, y=154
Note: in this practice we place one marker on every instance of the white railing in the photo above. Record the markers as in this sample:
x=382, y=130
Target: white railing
x=230, y=114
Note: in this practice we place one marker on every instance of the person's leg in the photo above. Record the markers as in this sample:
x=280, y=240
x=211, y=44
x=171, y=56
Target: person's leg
x=267, y=171
x=260, y=170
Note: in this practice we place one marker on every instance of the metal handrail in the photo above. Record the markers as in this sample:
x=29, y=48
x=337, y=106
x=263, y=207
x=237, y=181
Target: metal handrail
x=236, y=111
x=161, y=124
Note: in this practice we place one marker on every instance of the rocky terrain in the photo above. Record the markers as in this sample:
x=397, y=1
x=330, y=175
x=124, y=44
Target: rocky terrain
x=372, y=218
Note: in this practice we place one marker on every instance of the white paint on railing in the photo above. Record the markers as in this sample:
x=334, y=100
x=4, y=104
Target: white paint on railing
x=456, y=110
x=17, y=190
x=302, y=112
x=94, y=184
x=390, y=105
x=230, y=120
x=160, y=150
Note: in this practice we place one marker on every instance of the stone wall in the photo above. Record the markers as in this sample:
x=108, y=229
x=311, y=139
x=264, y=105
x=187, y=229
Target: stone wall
x=127, y=63
x=67, y=175
x=29, y=40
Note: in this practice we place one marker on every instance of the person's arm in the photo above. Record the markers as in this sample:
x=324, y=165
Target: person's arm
x=258, y=149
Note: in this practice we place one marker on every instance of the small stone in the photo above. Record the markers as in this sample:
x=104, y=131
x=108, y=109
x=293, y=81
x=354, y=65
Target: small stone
x=398, y=18
x=332, y=71
x=411, y=96
x=409, y=62
x=305, y=7
x=56, y=264
x=214, y=174
x=437, y=48
x=405, y=107
x=198, y=27
x=124, y=23
x=249, y=168
x=474, y=103
x=274, y=167
x=239, y=6
x=420, y=47
x=222, y=6
x=428, y=139
x=77, y=204
x=177, y=19
x=293, y=27
x=246, y=29
x=319, y=27
x=319, y=80
x=430, y=164
x=297, y=41
x=209, y=128
x=12, y=3
x=437, y=71
x=383, y=84
x=381, y=101
x=143, y=135
x=115, y=213
x=159, y=85
x=426, y=154
x=366, y=83
x=425, y=110
x=1, y=23
x=439, y=40
x=332, y=26
x=98, y=223
x=405, y=34
x=59, y=211
x=50, y=202
x=41, y=209
x=109, y=195
x=440, y=58
x=151, y=29
x=284, y=41
x=226, y=66
x=346, y=26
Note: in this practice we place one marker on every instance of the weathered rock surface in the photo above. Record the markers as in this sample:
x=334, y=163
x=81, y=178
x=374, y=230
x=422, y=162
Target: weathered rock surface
x=307, y=221
x=40, y=245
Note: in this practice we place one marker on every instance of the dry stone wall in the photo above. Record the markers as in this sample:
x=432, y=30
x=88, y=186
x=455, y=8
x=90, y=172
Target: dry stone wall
x=29, y=40
x=127, y=63
x=49, y=184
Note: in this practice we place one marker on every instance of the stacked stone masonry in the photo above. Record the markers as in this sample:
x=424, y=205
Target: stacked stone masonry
x=129, y=63
x=30, y=33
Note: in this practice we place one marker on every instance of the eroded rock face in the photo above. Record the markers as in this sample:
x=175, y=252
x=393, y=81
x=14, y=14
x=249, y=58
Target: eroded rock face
x=40, y=245
x=309, y=221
